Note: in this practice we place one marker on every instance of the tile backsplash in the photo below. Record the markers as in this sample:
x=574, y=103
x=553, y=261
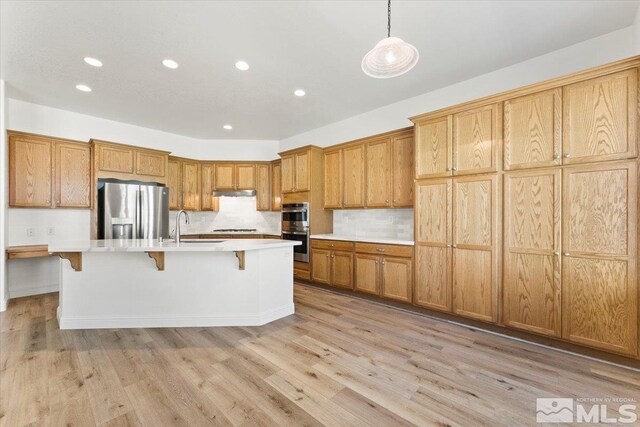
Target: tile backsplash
x=382, y=223
x=235, y=212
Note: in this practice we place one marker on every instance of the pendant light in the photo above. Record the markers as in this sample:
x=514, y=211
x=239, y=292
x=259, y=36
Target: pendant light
x=391, y=57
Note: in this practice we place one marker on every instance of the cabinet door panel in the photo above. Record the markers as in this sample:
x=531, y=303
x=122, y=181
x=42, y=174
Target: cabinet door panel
x=321, y=266
x=433, y=277
x=353, y=158
x=72, y=175
x=224, y=178
x=403, y=169
x=174, y=182
x=207, y=201
x=303, y=170
x=378, y=173
x=263, y=186
x=473, y=284
x=433, y=212
x=276, y=187
x=367, y=274
x=397, y=278
x=600, y=118
x=151, y=164
x=599, y=266
x=30, y=172
x=333, y=179
x=475, y=247
x=531, y=289
x=475, y=140
x=245, y=176
x=342, y=269
x=533, y=130
x=288, y=173
x=433, y=147
x=190, y=186
x=115, y=159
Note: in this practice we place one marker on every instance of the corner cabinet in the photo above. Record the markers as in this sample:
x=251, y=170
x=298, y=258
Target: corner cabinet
x=48, y=172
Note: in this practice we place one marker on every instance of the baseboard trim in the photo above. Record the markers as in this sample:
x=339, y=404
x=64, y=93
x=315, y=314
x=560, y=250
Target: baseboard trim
x=4, y=303
x=25, y=292
x=177, y=321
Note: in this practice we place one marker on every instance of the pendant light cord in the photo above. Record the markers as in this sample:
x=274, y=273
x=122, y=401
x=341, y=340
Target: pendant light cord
x=388, y=18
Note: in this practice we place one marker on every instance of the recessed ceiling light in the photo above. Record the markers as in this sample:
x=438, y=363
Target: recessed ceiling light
x=299, y=92
x=170, y=63
x=83, y=88
x=241, y=65
x=93, y=61
x=228, y=127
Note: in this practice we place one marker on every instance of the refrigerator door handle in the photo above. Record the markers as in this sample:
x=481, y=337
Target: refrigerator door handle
x=138, y=231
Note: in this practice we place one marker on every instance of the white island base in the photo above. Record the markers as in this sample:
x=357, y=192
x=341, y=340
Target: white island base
x=198, y=287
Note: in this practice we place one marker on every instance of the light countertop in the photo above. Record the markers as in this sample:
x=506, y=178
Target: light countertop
x=348, y=238
x=140, y=245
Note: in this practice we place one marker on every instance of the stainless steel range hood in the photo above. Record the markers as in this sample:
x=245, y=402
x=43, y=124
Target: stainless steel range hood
x=234, y=193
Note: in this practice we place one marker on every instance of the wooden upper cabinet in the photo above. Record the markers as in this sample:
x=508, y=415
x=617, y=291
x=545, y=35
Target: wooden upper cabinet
x=30, y=169
x=245, y=176
x=354, y=176
x=263, y=187
x=378, y=173
x=599, y=260
x=288, y=173
x=403, y=170
x=72, y=166
x=174, y=182
x=432, y=287
x=115, y=158
x=532, y=287
x=303, y=171
x=600, y=118
x=475, y=247
x=476, y=140
x=151, y=163
x=224, y=176
x=533, y=130
x=207, y=201
x=333, y=179
x=190, y=185
x=433, y=141
x=276, y=186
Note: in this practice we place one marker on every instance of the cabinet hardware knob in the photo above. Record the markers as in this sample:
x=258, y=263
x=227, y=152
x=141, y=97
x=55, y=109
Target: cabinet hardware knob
x=448, y=169
x=386, y=201
x=448, y=246
x=454, y=169
x=454, y=246
x=556, y=253
x=556, y=156
x=566, y=156
x=327, y=255
x=383, y=263
x=376, y=262
x=566, y=254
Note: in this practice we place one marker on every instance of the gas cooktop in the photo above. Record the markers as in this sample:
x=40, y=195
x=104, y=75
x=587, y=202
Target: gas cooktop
x=235, y=230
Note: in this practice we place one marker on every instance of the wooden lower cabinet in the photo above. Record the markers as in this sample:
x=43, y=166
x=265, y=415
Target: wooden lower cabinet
x=367, y=277
x=432, y=287
x=333, y=268
x=397, y=278
x=599, y=258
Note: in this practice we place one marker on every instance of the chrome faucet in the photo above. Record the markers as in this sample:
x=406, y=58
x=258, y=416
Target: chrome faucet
x=186, y=214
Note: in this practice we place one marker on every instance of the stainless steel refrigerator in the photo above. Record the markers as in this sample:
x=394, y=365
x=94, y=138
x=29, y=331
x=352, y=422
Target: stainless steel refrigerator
x=132, y=210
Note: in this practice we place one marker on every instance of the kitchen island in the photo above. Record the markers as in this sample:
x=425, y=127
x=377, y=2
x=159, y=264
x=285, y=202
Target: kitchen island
x=148, y=283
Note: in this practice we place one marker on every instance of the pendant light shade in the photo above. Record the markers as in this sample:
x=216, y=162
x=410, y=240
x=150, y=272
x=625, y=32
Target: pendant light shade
x=391, y=57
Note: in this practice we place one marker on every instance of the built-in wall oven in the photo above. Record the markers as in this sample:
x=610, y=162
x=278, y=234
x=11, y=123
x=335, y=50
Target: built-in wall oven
x=295, y=226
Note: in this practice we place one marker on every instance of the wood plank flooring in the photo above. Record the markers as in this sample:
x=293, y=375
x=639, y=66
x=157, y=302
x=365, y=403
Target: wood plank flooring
x=338, y=361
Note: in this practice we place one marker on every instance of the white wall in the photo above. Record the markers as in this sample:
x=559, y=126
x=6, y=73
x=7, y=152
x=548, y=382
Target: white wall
x=4, y=185
x=601, y=50
x=636, y=33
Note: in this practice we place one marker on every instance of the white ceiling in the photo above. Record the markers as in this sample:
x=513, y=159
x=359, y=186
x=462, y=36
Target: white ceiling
x=315, y=45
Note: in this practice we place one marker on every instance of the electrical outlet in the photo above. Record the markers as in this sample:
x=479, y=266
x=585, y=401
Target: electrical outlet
x=51, y=231
x=30, y=232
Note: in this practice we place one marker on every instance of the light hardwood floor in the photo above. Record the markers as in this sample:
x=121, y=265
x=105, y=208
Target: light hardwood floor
x=338, y=361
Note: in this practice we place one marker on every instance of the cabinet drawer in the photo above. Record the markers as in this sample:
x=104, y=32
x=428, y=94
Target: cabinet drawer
x=301, y=274
x=340, y=245
x=380, y=249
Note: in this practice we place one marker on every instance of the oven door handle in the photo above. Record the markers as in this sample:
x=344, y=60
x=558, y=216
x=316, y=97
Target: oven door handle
x=294, y=210
x=297, y=233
